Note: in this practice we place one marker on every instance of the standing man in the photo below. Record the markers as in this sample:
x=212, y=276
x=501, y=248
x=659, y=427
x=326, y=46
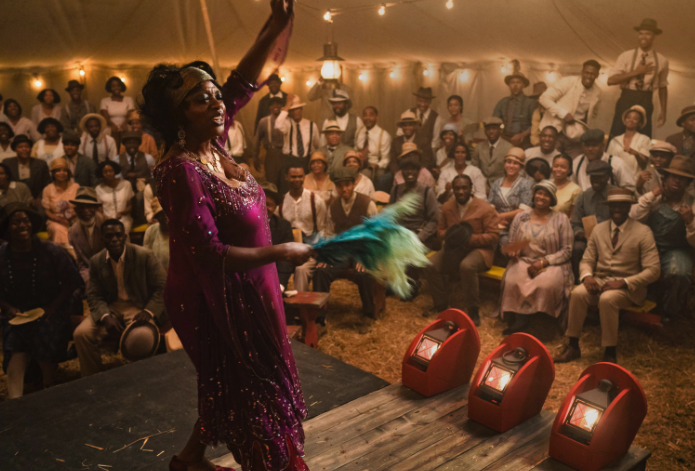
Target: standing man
x=593, y=147
x=323, y=92
x=516, y=111
x=334, y=149
x=85, y=233
x=75, y=109
x=620, y=261
x=271, y=139
x=274, y=84
x=374, y=143
x=668, y=211
x=464, y=207
x=430, y=123
x=301, y=136
x=547, y=150
x=639, y=73
x=489, y=155
x=348, y=122
x=685, y=141
x=569, y=102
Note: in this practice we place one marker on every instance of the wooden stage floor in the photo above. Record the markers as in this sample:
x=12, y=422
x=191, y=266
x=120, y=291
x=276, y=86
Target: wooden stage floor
x=397, y=429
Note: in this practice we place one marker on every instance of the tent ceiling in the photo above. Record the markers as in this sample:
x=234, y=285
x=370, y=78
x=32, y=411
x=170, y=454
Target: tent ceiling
x=58, y=33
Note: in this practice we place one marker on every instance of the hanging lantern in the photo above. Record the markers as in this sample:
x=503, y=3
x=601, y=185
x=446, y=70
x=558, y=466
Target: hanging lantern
x=442, y=356
x=512, y=383
x=331, y=69
x=599, y=418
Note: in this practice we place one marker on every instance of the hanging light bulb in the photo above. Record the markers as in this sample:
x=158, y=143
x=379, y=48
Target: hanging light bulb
x=465, y=75
x=362, y=77
x=123, y=78
x=450, y=4
x=392, y=74
x=327, y=16
x=309, y=83
x=330, y=70
x=37, y=82
x=81, y=72
x=282, y=79
x=382, y=9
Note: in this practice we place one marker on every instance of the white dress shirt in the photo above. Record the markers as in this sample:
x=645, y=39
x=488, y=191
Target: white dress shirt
x=106, y=146
x=289, y=127
x=298, y=212
x=379, y=148
x=449, y=173
x=236, y=142
x=622, y=176
x=347, y=207
x=624, y=65
x=639, y=143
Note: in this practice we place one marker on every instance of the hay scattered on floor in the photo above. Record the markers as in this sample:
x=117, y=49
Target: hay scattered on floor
x=664, y=362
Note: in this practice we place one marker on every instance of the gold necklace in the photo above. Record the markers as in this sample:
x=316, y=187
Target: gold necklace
x=212, y=166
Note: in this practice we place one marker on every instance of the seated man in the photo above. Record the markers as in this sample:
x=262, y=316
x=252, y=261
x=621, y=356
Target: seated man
x=463, y=207
x=85, y=234
x=334, y=149
x=593, y=147
x=660, y=156
x=590, y=203
x=345, y=212
x=546, y=148
x=280, y=231
x=668, y=211
x=135, y=164
x=82, y=167
x=126, y=285
x=620, y=261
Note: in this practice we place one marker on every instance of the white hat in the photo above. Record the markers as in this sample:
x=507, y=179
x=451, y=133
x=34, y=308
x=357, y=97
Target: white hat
x=296, y=103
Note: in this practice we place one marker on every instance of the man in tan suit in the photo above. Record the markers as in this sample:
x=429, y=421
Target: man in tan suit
x=620, y=261
x=489, y=155
x=482, y=218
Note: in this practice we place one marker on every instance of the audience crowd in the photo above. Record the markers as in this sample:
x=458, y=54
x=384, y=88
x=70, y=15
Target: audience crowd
x=576, y=217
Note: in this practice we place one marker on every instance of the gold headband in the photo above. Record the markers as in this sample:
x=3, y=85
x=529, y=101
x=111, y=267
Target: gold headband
x=192, y=77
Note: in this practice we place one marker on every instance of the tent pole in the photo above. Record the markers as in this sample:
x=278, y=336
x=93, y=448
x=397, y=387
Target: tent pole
x=211, y=41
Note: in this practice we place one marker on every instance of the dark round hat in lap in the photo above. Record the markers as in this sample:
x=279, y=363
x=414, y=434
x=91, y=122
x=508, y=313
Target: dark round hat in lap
x=20, y=139
x=456, y=247
x=343, y=174
x=11, y=208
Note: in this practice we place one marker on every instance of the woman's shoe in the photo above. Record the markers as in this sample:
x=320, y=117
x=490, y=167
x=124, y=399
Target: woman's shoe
x=177, y=465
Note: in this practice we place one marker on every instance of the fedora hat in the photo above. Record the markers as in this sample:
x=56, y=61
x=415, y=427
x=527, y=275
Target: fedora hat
x=87, y=117
x=409, y=148
x=518, y=75
x=131, y=135
x=339, y=96
x=425, y=92
x=638, y=109
x=681, y=165
x=685, y=112
x=619, y=195
x=271, y=190
x=296, y=103
x=538, y=89
x=408, y=117
x=20, y=139
x=74, y=84
x=11, y=208
x=648, y=24
x=331, y=125
x=26, y=317
x=493, y=121
x=139, y=340
x=86, y=195
x=516, y=154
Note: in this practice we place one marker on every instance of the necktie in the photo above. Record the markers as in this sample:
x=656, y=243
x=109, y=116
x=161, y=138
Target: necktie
x=422, y=118
x=300, y=142
x=492, y=150
x=132, y=163
x=639, y=84
x=366, y=140
x=616, y=234
x=95, y=152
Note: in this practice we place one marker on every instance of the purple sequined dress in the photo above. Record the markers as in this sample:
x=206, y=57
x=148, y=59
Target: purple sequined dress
x=231, y=325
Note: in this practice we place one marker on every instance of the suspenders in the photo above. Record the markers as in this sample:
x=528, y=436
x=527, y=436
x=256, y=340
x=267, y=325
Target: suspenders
x=656, y=66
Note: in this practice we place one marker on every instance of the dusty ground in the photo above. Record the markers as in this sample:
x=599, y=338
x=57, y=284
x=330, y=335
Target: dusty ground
x=663, y=361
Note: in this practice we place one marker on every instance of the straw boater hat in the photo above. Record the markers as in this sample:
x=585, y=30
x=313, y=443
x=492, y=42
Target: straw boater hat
x=131, y=136
x=619, y=195
x=86, y=195
x=663, y=146
x=538, y=89
x=331, y=126
x=408, y=117
x=409, y=148
x=685, y=112
x=648, y=24
x=518, y=75
x=87, y=117
x=681, y=165
x=26, y=317
x=339, y=96
x=548, y=186
x=139, y=341
x=639, y=110
x=296, y=103
x=424, y=92
x=516, y=154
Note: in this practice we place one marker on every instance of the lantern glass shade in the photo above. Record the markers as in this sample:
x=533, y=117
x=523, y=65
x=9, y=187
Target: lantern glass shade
x=431, y=342
x=331, y=70
x=427, y=348
x=497, y=377
x=586, y=411
x=584, y=416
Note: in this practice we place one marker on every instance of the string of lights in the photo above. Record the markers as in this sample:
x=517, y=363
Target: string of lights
x=380, y=8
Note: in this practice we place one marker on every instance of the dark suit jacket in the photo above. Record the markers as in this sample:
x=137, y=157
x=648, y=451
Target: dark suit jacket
x=264, y=108
x=40, y=176
x=85, y=172
x=84, y=251
x=426, y=159
x=483, y=219
x=144, y=280
x=281, y=233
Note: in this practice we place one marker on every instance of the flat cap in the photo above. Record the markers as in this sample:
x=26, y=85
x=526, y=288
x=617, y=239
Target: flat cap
x=343, y=173
x=592, y=135
x=598, y=166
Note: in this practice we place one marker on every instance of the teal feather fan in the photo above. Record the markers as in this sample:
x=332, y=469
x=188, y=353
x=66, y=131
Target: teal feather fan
x=385, y=248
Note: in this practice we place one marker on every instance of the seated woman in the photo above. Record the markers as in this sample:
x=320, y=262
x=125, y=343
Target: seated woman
x=34, y=274
x=444, y=156
x=460, y=167
x=632, y=146
x=539, y=277
x=538, y=169
x=567, y=190
x=423, y=177
x=115, y=194
x=115, y=108
x=11, y=191
x=6, y=135
x=511, y=194
x=157, y=236
x=363, y=185
x=20, y=124
x=55, y=200
x=317, y=180
x=48, y=108
x=50, y=147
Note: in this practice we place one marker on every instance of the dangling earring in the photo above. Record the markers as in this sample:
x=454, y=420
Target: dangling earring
x=182, y=137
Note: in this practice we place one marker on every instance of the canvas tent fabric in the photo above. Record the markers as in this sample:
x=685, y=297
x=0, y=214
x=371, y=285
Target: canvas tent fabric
x=50, y=40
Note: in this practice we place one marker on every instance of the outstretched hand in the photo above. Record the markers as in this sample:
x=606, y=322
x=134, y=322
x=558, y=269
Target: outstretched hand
x=297, y=254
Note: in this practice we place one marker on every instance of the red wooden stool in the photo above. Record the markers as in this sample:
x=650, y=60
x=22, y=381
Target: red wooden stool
x=309, y=304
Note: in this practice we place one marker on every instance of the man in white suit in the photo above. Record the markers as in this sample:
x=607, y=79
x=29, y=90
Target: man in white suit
x=569, y=100
x=620, y=261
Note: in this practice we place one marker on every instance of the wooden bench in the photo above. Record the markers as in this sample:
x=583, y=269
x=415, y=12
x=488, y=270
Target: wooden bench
x=309, y=304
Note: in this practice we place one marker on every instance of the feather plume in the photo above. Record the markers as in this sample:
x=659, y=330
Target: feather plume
x=385, y=248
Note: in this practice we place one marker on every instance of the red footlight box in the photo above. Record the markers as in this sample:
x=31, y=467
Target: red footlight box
x=512, y=383
x=442, y=356
x=599, y=418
